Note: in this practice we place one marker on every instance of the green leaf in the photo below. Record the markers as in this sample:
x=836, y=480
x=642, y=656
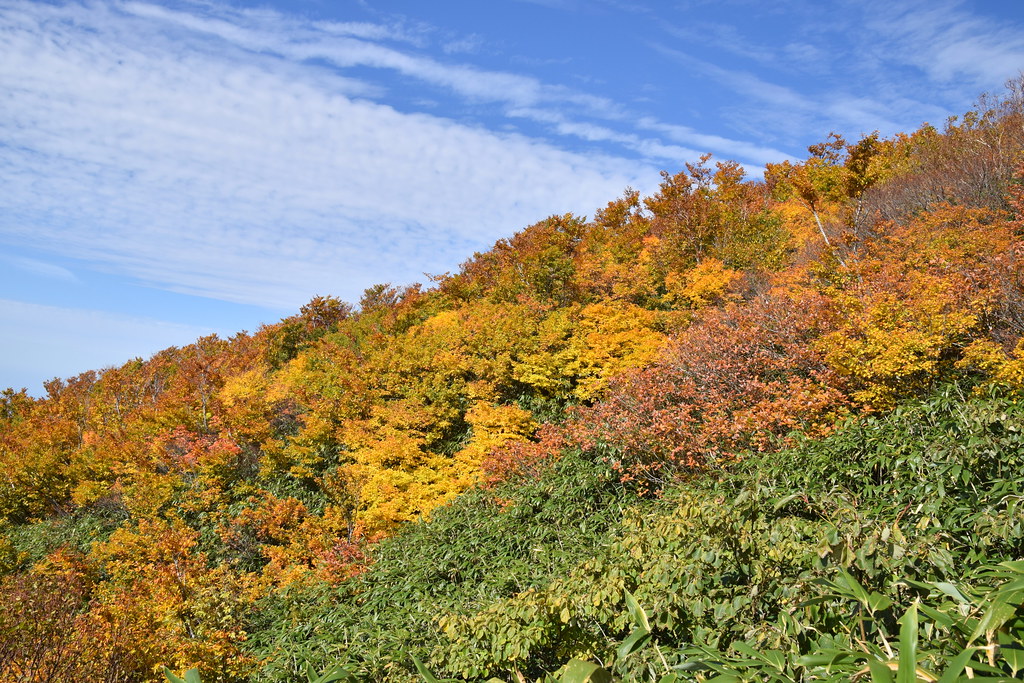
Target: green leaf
x=745, y=649
x=337, y=673
x=1014, y=566
x=878, y=602
x=191, y=676
x=1013, y=657
x=637, y=612
x=956, y=667
x=171, y=677
x=725, y=678
x=880, y=671
x=997, y=614
x=826, y=658
x=776, y=658
x=952, y=591
x=579, y=671
x=940, y=618
x=907, y=672
x=424, y=673
x=850, y=587
x=636, y=640
x=773, y=658
x=785, y=500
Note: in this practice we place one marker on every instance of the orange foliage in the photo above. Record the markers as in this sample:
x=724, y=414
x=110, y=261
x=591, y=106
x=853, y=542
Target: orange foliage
x=179, y=610
x=676, y=331
x=738, y=379
x=918, y=295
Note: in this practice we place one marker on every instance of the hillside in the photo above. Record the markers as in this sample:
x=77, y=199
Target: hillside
x=736, y=430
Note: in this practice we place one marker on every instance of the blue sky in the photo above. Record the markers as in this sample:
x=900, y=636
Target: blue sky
x=172, y=169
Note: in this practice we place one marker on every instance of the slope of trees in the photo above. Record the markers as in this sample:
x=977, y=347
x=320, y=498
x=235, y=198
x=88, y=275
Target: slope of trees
x=619, y=440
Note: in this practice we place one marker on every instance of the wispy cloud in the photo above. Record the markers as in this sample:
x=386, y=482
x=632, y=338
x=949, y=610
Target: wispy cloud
x=948, y=42
x=465, y=45
x=41, y=268
x=854, y=67
x=147, y=142
x=725, y=147
x=769, y=109
x=726, y=37
x=554, y=4
x=683, y=143
x=348, y=45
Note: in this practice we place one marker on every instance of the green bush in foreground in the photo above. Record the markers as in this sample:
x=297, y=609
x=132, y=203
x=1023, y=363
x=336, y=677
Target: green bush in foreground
x=486, y=546
x=890, y=551
x=832, y=547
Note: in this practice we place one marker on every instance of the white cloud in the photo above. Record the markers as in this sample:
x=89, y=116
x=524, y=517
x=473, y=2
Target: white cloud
x=49, y=341
x=725, y=147
x=349, y=45
x=948, y=42
x=654, y=148
x=721, y=36
x=767, y=108
x=43, y=268
x=808, y=58
x=253, y=177
x=854, y=66
x=467, y=45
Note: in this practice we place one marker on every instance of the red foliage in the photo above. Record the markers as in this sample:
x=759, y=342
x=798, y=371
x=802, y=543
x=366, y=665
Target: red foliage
x=344, y=560
x=184, y=449
x=38, y=641
x=517, y=459
x=738, y=380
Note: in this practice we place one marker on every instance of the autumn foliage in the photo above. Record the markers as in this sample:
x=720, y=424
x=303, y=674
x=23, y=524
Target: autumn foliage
x=145, y=508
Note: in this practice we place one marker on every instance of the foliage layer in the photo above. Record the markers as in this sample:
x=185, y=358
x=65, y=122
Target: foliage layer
x=673, y=440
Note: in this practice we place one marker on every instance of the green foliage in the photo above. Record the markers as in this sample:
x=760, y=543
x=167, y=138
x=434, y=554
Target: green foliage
x=31, y=543
x=822, y=549
x=332, y=675
x=485, y=546
x=641, y=391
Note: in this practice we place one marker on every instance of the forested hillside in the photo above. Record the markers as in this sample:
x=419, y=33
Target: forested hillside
x=737, y=430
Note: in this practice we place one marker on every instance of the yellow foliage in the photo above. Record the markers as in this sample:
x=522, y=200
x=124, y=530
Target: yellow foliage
x=147, y=492
x=989, y=357
x=546, y=369
x=492, y=426
x=588, y=346
x=609, y=339
x=164, y=603
x=798, y=219
x=707, y=284
x=639, y=280
x=246, y=401
x=244, y=387
x=393, y=496
x=393, y=478
x=893, y=344
x=103, y=461
x=10, y=558
x=317, y=548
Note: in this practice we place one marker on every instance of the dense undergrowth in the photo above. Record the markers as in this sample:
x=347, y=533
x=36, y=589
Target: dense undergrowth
x=481, y=548
x=752, y=430
x=804, y=564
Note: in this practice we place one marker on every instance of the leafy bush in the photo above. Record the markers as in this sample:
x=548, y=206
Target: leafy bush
x=834, y=546
x=487, y=545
